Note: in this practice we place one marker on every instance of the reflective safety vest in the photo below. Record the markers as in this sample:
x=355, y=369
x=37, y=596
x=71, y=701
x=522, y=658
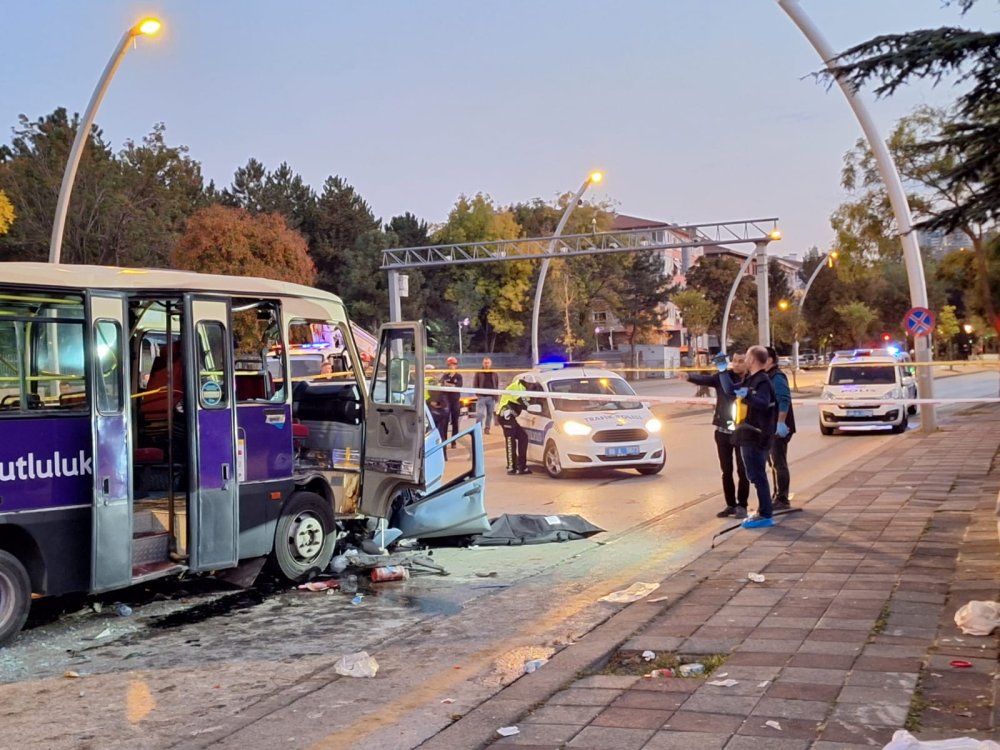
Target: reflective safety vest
x=507, y=398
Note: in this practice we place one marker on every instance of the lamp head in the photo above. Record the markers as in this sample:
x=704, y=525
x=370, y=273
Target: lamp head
x=147, y=27
x=775, y=234
x=595, y=177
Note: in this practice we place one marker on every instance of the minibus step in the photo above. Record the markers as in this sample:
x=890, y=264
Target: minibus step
x=150, y=547
x=149, y=571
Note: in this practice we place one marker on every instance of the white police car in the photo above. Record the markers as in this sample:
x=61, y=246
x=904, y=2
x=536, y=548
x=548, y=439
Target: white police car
x=603, y=432
x=858, y=379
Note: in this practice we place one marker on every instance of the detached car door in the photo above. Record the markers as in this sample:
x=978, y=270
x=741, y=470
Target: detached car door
x=394, y=419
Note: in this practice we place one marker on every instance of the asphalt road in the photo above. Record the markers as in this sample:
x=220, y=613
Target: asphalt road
x=258, y=670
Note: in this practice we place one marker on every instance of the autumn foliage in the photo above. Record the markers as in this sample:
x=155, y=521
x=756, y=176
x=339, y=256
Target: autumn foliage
x=220, y=239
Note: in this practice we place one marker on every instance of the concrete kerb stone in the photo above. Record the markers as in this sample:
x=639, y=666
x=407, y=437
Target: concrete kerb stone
x=478, y=727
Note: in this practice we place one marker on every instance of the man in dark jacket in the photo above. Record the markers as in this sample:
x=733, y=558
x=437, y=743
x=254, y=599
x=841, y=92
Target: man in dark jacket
x=755, y=432
x=725, y=382
x=783, y=431
x=453, y=399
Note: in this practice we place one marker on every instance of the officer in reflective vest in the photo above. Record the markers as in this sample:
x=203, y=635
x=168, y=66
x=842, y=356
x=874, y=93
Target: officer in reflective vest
x=514, y=437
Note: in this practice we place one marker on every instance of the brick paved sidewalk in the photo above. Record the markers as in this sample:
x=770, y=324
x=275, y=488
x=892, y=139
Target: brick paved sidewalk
x=850, y=637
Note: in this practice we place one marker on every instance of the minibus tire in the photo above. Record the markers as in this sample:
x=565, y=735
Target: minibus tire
x=15, y=596
x=305, y=515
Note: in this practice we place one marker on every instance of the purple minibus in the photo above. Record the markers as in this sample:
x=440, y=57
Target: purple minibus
x=148, y=430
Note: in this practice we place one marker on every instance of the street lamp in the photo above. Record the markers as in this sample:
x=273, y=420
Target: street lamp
x=831, y=257
x=763, y=317
x=597, y=340
x=897, y=198
x=145, y=27
x=463, y=323
x=592, y=179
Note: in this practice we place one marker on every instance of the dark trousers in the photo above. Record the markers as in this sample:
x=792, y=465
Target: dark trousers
x=779, y=465
x=729, y=455
x=515, y=443
x=755, y=461
x=454, y=412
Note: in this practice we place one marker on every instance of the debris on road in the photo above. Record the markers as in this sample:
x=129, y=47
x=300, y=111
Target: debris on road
x=447, y=700
x=724, y=683
x=329, y=583
x=635, y=592
x=490, y=574
x=69, y=674
x=978, y=618
x=657, y=673
x=508, y=731
x=756, y=577
x=359, y=664
x=389, y=573
x=648, y=655
x=960, y=663
x=773, y=724
x=106, y=633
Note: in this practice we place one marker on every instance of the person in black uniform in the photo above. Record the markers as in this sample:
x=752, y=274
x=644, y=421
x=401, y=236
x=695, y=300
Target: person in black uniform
x=453, y=399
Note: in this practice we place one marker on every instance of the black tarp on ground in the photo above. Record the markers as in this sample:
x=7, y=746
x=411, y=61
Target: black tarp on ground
x=517, y=528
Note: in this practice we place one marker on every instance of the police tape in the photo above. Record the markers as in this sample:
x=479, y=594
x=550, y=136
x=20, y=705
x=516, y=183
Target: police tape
x=858, y=402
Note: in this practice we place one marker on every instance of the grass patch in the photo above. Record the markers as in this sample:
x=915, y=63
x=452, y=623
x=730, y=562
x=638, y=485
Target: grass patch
x=882, y=621
x=918, y=705
x=631, y=663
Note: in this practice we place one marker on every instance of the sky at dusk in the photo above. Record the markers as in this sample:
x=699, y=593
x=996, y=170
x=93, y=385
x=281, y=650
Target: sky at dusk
x=697, y=110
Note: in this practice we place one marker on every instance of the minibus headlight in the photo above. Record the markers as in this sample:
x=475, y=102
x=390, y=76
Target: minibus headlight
x=571, y=427
x=653, y=425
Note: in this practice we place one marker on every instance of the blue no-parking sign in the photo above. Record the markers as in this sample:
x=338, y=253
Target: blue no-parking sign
x=919, y=321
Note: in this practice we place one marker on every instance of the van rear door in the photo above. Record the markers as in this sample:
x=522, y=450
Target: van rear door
x=394, y=418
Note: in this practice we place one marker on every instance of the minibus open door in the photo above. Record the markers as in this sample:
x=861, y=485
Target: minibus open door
x=394, y=418
x=111, y=528
x=213, y=492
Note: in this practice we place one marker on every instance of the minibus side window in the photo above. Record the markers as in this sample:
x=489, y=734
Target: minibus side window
x=109, y=384
x=212, y=391
x=260, y=375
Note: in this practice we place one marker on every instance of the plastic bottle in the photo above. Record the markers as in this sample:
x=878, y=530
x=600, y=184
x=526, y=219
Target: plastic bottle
x=534, y=665
x=123, y=610
x=390, y=573
x=690, y=670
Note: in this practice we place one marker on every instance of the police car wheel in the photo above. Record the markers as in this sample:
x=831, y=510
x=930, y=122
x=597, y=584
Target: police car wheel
x=553, y=466
x=304, y=537
x=911, y=409
x=901, y=427
x=15, y=596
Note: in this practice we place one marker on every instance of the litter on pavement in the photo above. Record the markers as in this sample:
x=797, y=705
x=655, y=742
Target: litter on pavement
x=773, y=724
x=648, y=655
x=359, y=664
x=724, y=683
x=635, y=592
x=756, y=577
x=508, y=731
x=978, y=618
x=903, y=740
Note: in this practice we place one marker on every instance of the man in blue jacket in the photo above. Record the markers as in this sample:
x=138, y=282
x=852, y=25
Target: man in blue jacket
x=783, y=431
x=725, y=381
x=755, y=432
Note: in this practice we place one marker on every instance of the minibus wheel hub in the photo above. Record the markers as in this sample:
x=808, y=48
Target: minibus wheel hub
x=307, y=536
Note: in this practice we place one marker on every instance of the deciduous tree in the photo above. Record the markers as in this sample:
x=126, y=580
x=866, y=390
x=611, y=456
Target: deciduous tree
x=226, y=240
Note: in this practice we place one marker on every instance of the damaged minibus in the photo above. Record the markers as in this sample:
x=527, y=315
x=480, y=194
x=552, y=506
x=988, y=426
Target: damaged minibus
x=152, y=427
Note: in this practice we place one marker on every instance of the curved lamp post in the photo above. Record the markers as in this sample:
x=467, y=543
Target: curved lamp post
x=763, y=313
x=827, y=260
x=592, y=178
x=897, y=197
x=146, y=27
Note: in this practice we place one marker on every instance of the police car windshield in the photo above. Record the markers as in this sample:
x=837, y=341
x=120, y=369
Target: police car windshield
x=609, y=387
x=862, y=375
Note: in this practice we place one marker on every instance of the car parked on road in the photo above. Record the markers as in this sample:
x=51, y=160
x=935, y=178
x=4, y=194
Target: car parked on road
x=858, y=380
x=603, y=431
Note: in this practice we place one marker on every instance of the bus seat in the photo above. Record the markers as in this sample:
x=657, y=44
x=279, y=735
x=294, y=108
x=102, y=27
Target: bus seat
x=154, y=405
x=253, y=386
x=148, y=456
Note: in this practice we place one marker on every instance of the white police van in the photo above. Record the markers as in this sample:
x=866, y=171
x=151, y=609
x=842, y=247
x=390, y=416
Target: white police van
x=858, y=379
x=604, y=432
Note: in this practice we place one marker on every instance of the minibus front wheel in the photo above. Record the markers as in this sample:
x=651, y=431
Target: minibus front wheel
x=15, y=596
x=304, y=537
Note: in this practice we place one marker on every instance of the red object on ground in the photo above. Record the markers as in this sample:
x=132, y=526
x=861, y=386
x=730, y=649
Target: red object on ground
x=961, y=663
